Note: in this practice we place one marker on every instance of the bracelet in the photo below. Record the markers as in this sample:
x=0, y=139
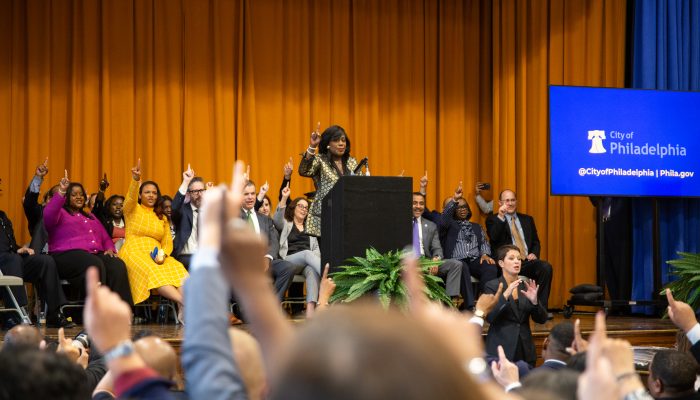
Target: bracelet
x=311, y=150
x=626, y=375
x=63, y=192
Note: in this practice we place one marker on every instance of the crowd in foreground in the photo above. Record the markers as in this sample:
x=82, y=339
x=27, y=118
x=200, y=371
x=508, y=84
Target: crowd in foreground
x=345, y=352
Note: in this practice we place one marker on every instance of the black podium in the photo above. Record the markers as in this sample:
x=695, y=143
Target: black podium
x=362, y=212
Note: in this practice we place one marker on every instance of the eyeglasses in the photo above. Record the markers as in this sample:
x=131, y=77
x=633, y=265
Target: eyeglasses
x=198, y=191
x=302, y=207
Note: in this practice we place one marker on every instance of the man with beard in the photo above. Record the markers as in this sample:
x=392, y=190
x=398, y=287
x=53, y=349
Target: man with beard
x=185, y=215
x=466, y=242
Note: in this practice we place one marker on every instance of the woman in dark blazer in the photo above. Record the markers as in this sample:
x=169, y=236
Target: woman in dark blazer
x=510, y=319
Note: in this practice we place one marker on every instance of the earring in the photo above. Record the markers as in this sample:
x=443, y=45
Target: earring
x=328, y=147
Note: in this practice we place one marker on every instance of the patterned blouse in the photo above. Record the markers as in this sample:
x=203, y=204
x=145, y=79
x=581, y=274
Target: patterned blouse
x=320, y=168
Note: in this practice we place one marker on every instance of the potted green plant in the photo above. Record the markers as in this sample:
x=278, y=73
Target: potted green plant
x=687, y=287
x=381, y=274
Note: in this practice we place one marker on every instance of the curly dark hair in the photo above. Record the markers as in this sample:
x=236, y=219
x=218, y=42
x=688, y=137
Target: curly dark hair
x=66, y=205
x=334, y=132
x=289, y=211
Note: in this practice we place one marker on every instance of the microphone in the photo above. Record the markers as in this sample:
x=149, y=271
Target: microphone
x=360, y=165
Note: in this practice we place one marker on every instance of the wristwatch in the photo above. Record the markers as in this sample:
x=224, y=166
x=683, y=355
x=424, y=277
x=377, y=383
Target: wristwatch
x=123, y=349
x=479, y=313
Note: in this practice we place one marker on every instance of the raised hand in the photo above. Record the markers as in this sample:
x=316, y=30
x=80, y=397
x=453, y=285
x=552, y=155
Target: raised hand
x=107, y=317
x=424, y=180
x=65, y=346
x=458, y=192
x=136, y=171
x=188, y=174
x=64, y=182
x=487, y=302
x=316, y=136
x=579, y=344
x=509, y=290
x=104, y=183
x=326, y=289
x=504, y=371
x=43, y=168
x=246, y=176
x=531, y=291
x=502, y=211
x=681, y=314
x=286, y=192
x=209, y=185
x=264, y=188
x=288, y=169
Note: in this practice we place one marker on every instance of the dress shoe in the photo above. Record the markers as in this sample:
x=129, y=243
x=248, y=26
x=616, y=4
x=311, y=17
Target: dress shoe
x=59, y=321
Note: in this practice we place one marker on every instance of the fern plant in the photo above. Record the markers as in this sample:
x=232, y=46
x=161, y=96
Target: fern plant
x=381, y=273
x=687, y=287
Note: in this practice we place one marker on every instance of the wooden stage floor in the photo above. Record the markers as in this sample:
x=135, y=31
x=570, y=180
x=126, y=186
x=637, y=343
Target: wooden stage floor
x=640, y=331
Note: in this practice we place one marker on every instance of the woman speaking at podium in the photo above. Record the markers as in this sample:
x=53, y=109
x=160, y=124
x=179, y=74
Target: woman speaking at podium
x=325, y=167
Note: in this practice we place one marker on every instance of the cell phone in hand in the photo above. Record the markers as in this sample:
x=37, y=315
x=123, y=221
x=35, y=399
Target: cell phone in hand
x=485, y=186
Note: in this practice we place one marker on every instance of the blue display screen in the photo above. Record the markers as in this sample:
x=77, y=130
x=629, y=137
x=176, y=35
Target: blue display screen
x=624, y=142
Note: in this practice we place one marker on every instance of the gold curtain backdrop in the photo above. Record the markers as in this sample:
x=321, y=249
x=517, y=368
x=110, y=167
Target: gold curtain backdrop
x=454, y=87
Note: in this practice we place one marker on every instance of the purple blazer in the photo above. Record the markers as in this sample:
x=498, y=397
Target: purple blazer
x=74, y=232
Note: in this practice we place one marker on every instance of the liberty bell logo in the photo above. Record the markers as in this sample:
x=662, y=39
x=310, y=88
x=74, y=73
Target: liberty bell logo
x=596, y=138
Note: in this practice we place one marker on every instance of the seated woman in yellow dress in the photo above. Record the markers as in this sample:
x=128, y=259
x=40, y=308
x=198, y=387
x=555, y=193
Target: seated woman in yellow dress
x=145, y=231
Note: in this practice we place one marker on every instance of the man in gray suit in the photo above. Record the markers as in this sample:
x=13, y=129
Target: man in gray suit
x=426, y=242
x=282, y=271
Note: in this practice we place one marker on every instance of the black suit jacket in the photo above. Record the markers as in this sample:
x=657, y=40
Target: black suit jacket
x=267, y=229
x=35, y=219
x=510, y=323
x=499, y=233
x=182, y=218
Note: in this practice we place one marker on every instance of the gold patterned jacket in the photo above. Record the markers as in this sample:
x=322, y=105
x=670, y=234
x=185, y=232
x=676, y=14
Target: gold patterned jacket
x=321, y=170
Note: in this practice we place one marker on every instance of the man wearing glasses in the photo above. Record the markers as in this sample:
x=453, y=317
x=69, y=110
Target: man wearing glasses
x=511, y=227
x=186, y=203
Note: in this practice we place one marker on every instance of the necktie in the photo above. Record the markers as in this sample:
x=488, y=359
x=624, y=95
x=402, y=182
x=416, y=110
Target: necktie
x=195, y=223
x=249, y=219
x=416, y=238
x=518, y=239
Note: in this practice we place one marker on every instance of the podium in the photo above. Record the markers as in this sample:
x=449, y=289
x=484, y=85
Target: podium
x=362, y=212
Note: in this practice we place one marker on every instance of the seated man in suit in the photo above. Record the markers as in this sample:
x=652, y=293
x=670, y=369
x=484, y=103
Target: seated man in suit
x=40, y=269
x=466, y=242
x=185, y=216
x=282, y=271
x=554, y=346
x=511, y=227
x=427, y=244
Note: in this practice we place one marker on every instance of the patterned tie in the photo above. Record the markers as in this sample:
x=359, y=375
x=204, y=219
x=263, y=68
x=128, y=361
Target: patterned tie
x=518, y=239
x=416, y=238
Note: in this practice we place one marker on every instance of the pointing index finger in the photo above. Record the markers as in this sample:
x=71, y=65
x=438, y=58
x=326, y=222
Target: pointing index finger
x=325, y=271
x=46, y=162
